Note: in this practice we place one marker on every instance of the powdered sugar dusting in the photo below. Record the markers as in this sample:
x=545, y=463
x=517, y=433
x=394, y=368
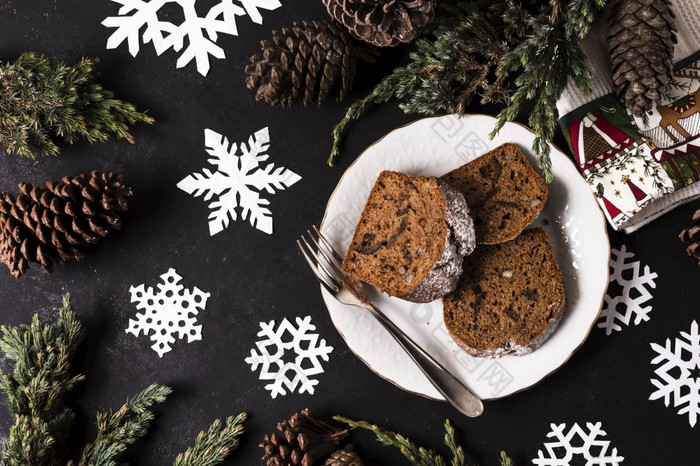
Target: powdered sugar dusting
x=555, y=308
x=512, y=347
x=460, y=223
x=459, y=242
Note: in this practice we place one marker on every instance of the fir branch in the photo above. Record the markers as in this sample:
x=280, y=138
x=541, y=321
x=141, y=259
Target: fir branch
x=451, y=65
x=116, y=431
x=37, y=388
x=384, y=92
x=36, y=392
x=213, y=446
x=416, y=455
x=543, y=65
x=580, y=16
x=29, y=442
x=457, y=450
x=505, y=460
x=499, y=50
x=41, y=100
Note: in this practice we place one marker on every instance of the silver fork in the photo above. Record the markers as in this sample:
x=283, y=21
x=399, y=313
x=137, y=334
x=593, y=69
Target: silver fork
x=326, y=265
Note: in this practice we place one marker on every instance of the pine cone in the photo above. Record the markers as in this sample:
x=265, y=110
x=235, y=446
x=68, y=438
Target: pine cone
x=692, y=235
x=304, y=439
x=344, y=457
x=56, y=223
x=384, y=23
x=641, y=41
x=309, y=63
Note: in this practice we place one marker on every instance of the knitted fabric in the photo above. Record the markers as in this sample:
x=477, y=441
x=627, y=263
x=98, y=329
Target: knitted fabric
x=651, y=164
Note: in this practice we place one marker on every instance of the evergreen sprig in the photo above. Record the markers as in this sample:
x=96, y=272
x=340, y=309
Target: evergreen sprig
x=418, y=455
x=451, y=64
x=542, y=65
x=116, y=431
x=497, y=49
x=36, y=396
x=505, y=460
x=37, y=388
x=41, y=100
x=212, y=446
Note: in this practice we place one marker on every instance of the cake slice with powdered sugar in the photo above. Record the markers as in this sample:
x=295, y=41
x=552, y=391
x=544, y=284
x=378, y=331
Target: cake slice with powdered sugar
x=411, y=238
x=505, y=194
x=509, y=300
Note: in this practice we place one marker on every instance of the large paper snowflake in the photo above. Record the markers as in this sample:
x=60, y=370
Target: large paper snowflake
x=169, y=311
x=636, y=292
x=273, y=356
x=577, y=443
x=201, y=32
x=679, y=373
x=235, y=178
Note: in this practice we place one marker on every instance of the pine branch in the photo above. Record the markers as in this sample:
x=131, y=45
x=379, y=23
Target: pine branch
x=36, y=394
x=41, y=100
x=543, y=65
x=118, y=430
x=37, y=388
x=581, y=14
x=213, y=446
x=416, y=455
x=451, y=65
x=457, y=451
x=505, y=460
x=384, y=92
x=500, y=51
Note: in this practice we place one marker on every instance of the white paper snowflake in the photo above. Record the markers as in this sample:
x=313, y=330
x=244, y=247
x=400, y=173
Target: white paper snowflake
x=636, y=292
x=172, y=310
x=679, y=373
x=141, y=16
x=235, y=178
x=273, y=356
x=577, y=443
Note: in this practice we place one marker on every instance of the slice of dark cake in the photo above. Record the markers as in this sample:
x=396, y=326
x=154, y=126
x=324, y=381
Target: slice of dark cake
x=509, y=300
x=504, y=193
x=411, y=238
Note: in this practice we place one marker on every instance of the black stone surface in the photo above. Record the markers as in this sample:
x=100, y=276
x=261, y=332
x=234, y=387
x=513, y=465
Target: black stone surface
x=254, y=277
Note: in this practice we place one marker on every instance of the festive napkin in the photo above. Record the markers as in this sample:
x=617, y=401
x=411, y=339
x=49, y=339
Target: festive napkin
x=638, y=168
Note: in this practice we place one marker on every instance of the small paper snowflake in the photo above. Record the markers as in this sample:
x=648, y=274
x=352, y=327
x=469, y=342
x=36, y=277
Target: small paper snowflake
x=201, y=32
x=171, y=310
x=679, y=373
x=577, y=443
x=636, y=292
x=235, y=178
x=273, y=356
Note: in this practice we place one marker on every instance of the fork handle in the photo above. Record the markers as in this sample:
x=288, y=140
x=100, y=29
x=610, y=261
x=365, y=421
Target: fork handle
x=447, y=384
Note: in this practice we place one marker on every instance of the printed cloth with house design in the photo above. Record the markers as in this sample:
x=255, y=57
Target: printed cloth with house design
x=638, y=168
x=630, y=162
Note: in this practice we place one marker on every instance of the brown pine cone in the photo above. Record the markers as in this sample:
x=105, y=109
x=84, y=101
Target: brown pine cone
x=641, y=41
x=310, y=62
x=692, y=235
x=57, y=222
x=301, y=440
x=384, y=23
x=344, y=457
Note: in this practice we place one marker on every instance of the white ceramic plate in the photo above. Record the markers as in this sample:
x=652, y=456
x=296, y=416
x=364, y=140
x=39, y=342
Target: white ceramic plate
x=571, y=217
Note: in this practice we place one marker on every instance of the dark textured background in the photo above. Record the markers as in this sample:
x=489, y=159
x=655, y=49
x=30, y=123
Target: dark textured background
x=254, y=277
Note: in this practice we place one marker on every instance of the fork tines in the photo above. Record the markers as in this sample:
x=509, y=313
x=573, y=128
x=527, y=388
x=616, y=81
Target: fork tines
x=323, y=259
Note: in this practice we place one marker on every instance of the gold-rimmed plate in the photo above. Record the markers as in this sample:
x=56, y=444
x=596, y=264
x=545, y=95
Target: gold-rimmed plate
x=571, y=217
